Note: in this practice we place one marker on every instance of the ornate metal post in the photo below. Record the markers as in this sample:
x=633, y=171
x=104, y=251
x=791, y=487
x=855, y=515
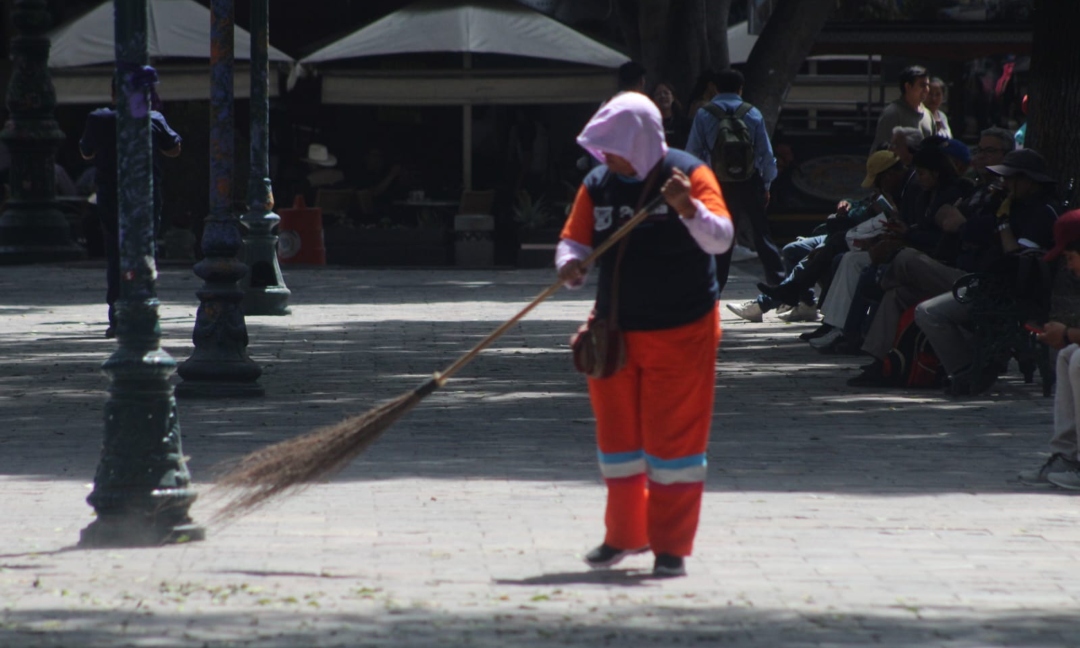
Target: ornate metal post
x=264, y=287
x=220, y=366
x=32, y=227
x=142, y=489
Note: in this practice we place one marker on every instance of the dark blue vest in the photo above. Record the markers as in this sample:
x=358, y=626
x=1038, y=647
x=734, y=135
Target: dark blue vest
x=665, y=279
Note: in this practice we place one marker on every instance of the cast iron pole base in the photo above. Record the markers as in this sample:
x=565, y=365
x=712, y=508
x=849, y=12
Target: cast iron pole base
x=36, y=233
x=220, y=367
x=264, y=288
x=218, y=389
x=134, y=532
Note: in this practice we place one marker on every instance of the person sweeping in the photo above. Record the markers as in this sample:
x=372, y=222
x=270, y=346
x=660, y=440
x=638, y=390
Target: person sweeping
x=657, y=287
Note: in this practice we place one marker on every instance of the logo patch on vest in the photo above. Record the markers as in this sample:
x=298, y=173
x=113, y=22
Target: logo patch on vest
x=626, y=212
x=601, y=218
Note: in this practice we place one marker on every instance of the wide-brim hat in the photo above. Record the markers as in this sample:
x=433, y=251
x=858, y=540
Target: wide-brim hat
x=878, y=163
x=1024, y=162
x=1066, y=233
x=319, y=155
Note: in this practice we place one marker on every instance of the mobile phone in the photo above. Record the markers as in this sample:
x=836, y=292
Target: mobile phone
x=885, y=205
x=1034, y=329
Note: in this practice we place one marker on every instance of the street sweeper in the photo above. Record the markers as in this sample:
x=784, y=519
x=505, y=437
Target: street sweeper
x=649, y=348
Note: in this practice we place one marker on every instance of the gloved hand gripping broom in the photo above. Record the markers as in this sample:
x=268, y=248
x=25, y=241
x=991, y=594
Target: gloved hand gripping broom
x=306, y=459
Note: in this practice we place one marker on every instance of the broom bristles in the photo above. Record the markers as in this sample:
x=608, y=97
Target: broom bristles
x=298, y=462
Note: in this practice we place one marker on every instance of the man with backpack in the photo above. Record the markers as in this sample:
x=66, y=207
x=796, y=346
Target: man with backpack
x=730, y=135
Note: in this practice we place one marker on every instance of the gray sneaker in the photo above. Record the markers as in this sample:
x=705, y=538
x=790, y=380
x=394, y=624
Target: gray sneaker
x=1057, y=463
x=1069, y=479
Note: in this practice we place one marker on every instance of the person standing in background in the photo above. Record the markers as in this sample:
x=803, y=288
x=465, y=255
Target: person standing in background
x=748, y=197
x=936, y=96
x=98, y=144
x=676, y=126
x=906, y=110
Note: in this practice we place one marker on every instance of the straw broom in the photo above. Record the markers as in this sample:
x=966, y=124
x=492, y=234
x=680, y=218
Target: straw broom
x=290, y=465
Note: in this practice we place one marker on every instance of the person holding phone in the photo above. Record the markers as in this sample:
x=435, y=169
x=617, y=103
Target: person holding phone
x=1062, y=468
x=994, y=226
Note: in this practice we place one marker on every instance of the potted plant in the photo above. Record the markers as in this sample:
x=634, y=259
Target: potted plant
x=539, y=225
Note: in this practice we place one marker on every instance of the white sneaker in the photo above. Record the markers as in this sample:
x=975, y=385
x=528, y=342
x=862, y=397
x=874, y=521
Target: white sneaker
x=748, y=310
x=827, y=339
x=742, y=253
x=802, y=313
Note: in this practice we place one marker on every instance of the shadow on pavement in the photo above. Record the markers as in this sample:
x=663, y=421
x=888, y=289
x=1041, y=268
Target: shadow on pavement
x=623, y=577
x=530, y=624
x=784, y=419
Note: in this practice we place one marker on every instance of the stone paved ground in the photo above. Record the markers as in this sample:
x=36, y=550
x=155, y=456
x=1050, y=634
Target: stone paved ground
x=832, y=517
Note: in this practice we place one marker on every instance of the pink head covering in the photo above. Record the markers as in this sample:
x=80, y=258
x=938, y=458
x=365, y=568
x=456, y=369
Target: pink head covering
x=630, y=126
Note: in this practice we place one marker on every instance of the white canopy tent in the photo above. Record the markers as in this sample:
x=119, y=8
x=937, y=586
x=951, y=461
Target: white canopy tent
x=476, y=27
x=82, y=52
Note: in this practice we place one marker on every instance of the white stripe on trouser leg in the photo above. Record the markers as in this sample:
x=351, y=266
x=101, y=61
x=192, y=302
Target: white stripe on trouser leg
x=621, y=464
x=685, y=470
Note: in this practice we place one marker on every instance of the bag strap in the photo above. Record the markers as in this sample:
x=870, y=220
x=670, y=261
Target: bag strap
x=721, y=113
x=613, y=305
x=715, y=111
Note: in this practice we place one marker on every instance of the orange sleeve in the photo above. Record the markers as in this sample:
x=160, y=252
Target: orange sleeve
x=579, y=226
x=704, y=187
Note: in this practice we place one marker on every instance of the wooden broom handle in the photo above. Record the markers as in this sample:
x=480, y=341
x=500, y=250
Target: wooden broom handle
x=445, y=375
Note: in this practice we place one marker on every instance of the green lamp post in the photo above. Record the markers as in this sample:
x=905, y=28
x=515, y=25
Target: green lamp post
x=32, y=227
x=220, y=366
x=264, y=287
x=142, y=488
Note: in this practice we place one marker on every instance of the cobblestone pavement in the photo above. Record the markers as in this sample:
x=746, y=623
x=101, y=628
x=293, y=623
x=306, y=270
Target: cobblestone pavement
x=832, y=517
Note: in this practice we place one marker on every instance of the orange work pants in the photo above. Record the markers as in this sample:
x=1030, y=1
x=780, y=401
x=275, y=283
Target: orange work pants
x=652, y=427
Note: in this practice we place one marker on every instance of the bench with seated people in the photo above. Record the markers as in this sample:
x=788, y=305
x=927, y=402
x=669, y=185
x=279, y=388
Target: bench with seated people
x=902, y=288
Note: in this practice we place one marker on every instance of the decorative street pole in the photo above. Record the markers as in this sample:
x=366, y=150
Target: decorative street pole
x=32, y=227
x=264, y=287
x=142, y=489
x=220, y=366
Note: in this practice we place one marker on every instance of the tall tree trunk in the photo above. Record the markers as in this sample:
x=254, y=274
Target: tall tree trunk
x=626, y=12
x=653, y=19
x=716, y=26
x=688, y=50
x=780, y=50
x=1054, y=101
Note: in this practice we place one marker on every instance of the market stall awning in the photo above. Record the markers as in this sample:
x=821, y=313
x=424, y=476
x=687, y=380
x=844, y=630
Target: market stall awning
x=177, y=29
x=482, y=27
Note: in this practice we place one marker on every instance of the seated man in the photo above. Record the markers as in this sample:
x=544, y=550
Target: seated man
x=884, y=173
x=907, y=279
x=843, y=310
x=1062, y=468
x=1025, y=219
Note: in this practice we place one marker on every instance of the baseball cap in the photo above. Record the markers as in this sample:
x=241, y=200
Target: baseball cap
x=957, y=150
x=1066, y=233
x=876, y=164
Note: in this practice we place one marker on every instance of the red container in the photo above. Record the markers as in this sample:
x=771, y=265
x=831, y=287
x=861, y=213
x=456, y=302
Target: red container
x=300, y=234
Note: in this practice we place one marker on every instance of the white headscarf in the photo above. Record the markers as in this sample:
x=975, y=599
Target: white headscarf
x=630, y=126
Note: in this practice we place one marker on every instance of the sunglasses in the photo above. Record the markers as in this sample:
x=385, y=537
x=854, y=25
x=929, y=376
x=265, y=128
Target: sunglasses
x=989, y=149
